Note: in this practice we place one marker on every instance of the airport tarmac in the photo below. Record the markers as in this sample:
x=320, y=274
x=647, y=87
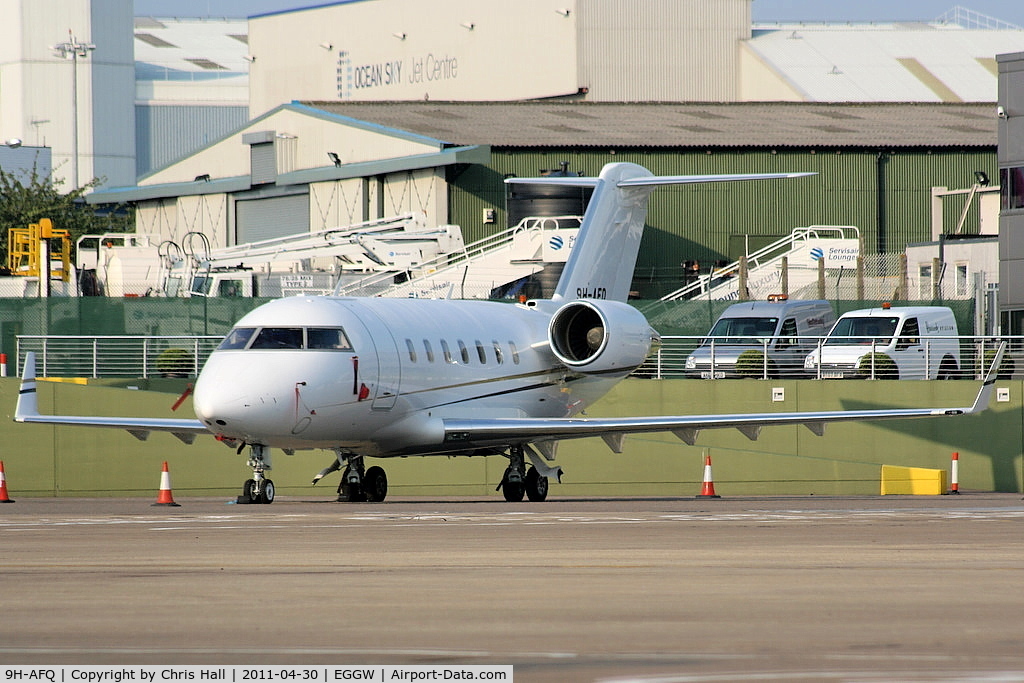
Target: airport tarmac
x=612, y=589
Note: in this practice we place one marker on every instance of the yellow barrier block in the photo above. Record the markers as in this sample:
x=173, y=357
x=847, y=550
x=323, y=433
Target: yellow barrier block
x=914, y=481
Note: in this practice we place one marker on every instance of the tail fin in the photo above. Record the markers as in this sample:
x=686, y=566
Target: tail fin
x=602, y=260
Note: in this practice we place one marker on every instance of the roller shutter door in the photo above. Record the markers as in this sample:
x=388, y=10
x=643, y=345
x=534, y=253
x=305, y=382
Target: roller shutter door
x=264, y=219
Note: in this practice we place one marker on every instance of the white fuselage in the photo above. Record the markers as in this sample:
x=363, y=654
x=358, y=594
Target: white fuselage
x=402, y=367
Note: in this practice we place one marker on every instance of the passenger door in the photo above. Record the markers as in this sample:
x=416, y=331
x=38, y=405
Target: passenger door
x=909, y=351
x=789, y=353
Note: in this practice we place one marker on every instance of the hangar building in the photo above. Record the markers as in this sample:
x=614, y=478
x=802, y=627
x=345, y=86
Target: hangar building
x=876, y=164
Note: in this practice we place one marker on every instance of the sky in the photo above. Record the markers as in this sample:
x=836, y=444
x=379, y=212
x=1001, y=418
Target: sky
x=763, y=10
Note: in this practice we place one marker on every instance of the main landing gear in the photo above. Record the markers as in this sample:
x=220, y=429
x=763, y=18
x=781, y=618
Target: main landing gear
x=518, y=481
x=259, y=489
x=358, y=482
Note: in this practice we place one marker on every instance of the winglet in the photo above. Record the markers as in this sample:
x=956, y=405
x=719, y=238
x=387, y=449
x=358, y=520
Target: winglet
x=28, y=404
x=989, y=385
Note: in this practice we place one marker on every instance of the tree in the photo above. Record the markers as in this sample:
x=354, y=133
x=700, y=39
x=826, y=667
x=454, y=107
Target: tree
x=25, y=198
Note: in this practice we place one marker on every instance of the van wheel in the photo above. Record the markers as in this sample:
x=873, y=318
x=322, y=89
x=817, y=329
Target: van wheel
x=947, y=369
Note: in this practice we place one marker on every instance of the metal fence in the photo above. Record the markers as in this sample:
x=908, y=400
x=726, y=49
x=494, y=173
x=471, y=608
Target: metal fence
x=934, y=357
x=677, y=357
x=116, y=356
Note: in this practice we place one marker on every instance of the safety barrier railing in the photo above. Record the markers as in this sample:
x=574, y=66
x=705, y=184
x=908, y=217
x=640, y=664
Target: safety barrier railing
x=933, y=357
x=116, y=356
x=697, y=357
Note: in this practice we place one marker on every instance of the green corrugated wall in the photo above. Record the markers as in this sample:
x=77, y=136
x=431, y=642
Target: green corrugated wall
x=696, y=222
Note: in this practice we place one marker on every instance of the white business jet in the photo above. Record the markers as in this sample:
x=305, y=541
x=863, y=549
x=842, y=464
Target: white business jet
x=384, y=378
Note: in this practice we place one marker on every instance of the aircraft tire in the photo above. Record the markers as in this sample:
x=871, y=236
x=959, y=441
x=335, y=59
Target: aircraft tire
x=536, y=486
x=350, y=493
x=249, y=491
x=267, y=492
x=375, y=484
x=513, y=492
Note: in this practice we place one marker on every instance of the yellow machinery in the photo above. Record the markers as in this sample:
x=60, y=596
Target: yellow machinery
x=25, y=250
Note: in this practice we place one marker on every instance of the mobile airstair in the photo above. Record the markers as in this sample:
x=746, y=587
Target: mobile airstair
x=838, y=246
x=499, y=266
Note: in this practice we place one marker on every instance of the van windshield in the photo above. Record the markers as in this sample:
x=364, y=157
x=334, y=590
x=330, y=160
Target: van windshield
x=743, y=330
x=862, y=331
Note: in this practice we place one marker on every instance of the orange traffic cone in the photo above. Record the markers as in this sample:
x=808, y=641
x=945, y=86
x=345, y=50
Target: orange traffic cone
x=165, y=497
x=707, y=490
x=3, y=485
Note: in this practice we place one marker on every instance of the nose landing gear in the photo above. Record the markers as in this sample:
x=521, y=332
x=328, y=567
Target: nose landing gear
x=259, y=489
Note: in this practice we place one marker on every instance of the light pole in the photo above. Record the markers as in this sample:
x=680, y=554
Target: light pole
x=72, y=49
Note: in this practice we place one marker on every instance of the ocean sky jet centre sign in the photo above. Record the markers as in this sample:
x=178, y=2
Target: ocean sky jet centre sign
x=356, y=75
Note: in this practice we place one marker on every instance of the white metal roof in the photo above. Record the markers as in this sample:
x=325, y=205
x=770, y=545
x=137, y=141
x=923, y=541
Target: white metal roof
x=197, y=51
x=899, y=62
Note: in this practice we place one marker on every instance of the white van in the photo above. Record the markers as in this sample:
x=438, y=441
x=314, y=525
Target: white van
x=784, y=330
x=909, y=342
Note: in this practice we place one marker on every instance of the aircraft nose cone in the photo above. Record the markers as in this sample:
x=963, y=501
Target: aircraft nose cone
x=219, y=398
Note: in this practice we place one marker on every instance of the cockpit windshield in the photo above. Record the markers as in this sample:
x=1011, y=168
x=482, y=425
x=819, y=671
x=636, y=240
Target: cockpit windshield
x=743, y=330
x=863, y=331
x=316, y=338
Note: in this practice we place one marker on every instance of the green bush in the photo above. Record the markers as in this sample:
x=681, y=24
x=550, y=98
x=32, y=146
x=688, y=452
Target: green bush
x=175, y=362
x=885, y=366
x=751, y=364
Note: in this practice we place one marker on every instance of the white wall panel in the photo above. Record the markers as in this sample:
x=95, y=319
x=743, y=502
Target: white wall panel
x=673, y=50
x=410, y=49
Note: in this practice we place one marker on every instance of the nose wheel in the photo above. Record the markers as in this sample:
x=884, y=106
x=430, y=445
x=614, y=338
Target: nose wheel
x=259, y=489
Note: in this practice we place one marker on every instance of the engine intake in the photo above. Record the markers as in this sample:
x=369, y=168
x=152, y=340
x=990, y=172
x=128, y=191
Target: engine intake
x=600, y=336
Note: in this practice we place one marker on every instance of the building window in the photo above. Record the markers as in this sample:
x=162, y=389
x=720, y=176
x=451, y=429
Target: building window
x=960, y=284
x=924, y=282
x=1011, y=188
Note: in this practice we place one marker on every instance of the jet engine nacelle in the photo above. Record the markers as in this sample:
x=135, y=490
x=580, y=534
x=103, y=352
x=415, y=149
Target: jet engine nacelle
x=600, y=336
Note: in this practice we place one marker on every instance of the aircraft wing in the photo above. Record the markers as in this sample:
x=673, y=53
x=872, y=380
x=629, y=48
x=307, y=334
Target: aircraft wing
x=495, y=431
x=140, y=427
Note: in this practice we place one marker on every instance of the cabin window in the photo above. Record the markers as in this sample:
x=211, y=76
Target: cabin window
x=497, y=352
x=237, y=338
x=330, y=338
x=429, y=350
x=464, y=352
x=515, y=352
x=278, y=338
x=447, y=352
x=412, y=350
x=481, y=352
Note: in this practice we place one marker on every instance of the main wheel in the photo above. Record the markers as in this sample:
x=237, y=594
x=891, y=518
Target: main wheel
x=267, y=492
x=375, y=484
x=350, y=493
x=536, y=486
x=513, y=492
x=249, y=492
